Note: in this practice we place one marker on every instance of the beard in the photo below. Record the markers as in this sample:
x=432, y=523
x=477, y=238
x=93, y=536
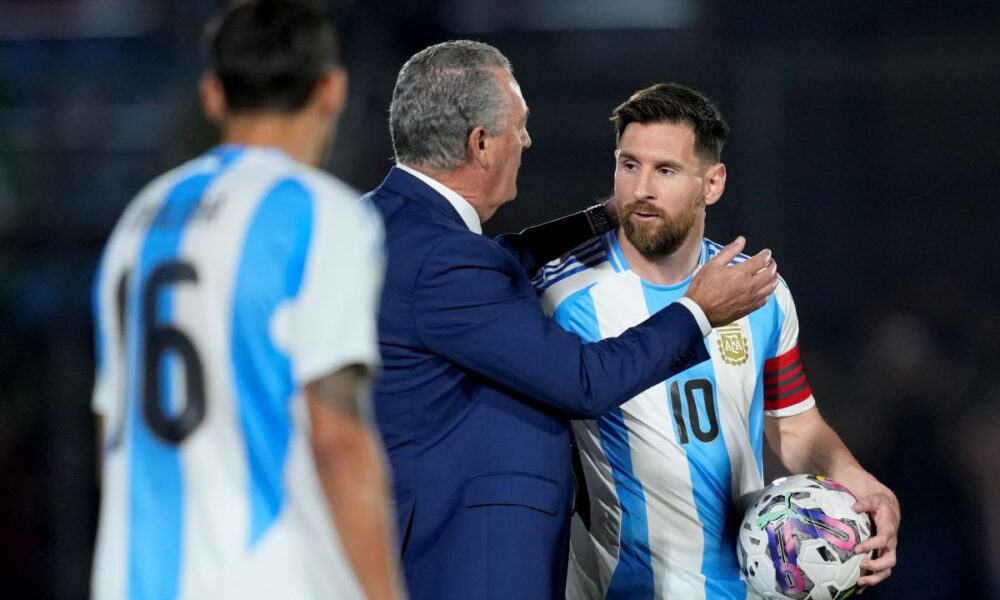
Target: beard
x=658, y=239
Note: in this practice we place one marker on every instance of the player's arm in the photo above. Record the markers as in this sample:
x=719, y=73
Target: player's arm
x=537, y=245
x=805, y=443
x=351, y=470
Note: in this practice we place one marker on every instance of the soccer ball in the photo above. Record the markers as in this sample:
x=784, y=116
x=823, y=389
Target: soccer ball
x=797, y=540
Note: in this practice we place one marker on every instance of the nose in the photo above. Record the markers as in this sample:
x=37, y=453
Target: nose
x=642, y=187
x=525, y=138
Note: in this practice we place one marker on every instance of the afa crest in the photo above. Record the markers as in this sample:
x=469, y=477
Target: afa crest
x=733, y=344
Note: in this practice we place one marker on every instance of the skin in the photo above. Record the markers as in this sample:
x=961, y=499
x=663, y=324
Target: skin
x=661, y=182
x=658, y=180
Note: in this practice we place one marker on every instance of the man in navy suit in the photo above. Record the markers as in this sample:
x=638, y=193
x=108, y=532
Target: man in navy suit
x=478, y=384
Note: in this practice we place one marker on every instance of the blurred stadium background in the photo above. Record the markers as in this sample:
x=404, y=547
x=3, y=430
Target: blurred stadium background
x=863, y=151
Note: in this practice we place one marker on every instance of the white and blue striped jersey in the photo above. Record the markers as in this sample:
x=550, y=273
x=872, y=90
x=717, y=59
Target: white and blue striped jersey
x=665, y=474
x=227, y=285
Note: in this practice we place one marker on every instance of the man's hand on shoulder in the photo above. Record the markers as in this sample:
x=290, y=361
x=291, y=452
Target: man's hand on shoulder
x=727, y=292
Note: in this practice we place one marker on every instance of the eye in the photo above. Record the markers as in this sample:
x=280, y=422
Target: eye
x=666, y=171
x=629, y=165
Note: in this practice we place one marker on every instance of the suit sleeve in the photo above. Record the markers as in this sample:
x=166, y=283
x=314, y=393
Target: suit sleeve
x=535, y=246
x=473, y=310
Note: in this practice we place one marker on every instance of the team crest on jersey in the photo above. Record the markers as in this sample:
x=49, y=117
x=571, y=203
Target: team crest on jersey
x=733, y=344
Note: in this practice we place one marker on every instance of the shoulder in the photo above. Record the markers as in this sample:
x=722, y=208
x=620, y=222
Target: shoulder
x=572, y=272
x=334, y=204
x=141, y=211
x=453, y=244
x=781, y=295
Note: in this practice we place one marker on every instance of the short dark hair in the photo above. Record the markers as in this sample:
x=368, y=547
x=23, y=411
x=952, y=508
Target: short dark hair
x=674, y=103
x=269, y=54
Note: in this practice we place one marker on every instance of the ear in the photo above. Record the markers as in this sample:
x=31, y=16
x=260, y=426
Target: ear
x=477, y=145
x=213, y=98
x=715, y=183
x=331, y=91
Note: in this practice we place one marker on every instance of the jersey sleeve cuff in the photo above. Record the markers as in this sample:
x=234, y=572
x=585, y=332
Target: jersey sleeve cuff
x=697, y=313
x=794, y=409
x=320, y=367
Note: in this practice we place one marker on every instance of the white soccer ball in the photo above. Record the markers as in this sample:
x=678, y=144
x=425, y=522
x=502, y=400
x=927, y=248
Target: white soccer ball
x=797, y=540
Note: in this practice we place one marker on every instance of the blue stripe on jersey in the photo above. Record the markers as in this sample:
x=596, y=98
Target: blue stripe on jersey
x=156, y=498
x=270, y=272
x=591, y=253
x=709, y=465
x=578, y=254
x=588, y=265
x=633, y=576
x=614, y=251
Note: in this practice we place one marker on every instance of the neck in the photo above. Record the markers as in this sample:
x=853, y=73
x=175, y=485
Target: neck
x=297, y=134
x=464, y=183
x=671, y=269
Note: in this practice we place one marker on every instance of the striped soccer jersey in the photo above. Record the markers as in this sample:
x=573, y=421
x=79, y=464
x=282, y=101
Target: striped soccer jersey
x=228, y=284
x=665, y=473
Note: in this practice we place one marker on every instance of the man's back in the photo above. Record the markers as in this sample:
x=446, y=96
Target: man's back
x=476, y=468
x=219, y=296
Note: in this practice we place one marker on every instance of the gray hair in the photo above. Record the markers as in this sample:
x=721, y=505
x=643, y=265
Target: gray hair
x=442, y=93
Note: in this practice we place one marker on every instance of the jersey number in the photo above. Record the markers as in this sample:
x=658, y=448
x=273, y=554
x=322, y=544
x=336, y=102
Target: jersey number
x=158, y=339
x=705, y=432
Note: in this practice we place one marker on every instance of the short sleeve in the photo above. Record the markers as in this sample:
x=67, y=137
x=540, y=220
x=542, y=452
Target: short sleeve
x=786, y=388
x=334, y=316
x=106, y=376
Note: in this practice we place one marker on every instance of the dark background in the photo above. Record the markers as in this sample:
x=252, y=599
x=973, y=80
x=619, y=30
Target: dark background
x=863, y=152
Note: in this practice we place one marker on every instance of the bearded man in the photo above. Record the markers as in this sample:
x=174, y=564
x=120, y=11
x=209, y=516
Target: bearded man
x=662, y=478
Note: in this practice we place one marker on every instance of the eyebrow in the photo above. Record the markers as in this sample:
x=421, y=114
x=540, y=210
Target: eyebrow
x=673, y=164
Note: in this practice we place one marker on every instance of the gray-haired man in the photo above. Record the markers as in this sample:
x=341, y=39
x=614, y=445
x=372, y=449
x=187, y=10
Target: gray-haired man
x=478, y=385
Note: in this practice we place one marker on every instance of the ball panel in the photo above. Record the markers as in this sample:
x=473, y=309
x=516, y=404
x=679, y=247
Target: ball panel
x=797, y=539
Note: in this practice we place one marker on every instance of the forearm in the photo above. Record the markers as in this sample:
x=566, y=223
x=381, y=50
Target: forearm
x=353, y=478
x=807, y=444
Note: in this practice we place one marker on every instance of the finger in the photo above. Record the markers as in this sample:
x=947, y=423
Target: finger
x=879, y=564
x=730, y=251
x=868, y=504
x=876, y=542
x=771, y=267
x=757, y=262
x=875, y=578
x=765, y=282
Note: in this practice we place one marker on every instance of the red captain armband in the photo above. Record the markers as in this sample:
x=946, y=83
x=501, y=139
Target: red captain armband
x=785, y=382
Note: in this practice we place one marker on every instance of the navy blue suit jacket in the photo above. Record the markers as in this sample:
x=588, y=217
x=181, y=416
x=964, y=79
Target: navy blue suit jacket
x=474, y=399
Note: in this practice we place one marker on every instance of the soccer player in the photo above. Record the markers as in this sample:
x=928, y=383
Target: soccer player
x=235, y=306
x=664, y=475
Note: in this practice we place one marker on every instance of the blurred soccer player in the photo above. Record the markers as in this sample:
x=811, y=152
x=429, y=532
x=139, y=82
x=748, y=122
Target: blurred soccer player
x=664, y=475
x=235, y=306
